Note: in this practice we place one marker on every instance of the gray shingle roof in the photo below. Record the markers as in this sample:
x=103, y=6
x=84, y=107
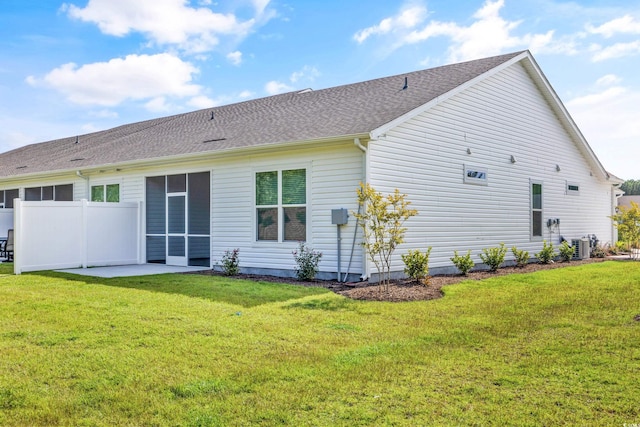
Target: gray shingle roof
x=345, y=110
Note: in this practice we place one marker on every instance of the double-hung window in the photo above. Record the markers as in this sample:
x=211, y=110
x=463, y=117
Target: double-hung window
x=536, y=209
x=105, y=193
x=281, y=205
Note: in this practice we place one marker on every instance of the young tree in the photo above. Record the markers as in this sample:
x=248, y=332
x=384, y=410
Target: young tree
x=628, y=222
x=382, y=220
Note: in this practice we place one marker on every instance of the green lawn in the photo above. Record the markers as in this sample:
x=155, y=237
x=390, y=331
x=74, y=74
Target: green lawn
x=551, y=348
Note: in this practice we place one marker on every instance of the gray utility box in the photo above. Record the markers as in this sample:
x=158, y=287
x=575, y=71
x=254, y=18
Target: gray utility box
x=339, y=216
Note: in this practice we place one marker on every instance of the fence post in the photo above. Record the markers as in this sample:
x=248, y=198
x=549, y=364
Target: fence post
x=84, y=233
x=141, y=235
x=17, y=234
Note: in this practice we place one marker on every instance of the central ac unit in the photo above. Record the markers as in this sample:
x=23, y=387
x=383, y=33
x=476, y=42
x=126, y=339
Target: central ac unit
x=582, y=249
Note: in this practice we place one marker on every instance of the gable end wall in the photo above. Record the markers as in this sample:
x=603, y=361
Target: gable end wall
x=502, y=116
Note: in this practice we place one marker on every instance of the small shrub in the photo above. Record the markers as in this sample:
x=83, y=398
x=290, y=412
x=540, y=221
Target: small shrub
x=231, y=262
x=620, y=246
x=521, y=256
x=417, y=265
x=566, y=251
x=545, y=256
x=598, y=252
x=307, y=261
x=494, y=257
x=464, y=263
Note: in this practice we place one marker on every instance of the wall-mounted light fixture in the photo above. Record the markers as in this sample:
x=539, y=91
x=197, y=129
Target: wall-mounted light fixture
x=513, y=159
x=468, y=150
x=557, y=168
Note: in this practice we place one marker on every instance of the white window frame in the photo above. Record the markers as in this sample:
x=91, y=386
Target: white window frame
x=54, y=191
x=475, y=175
x=572, y=192
x=280, y=206
x=104, y=191
x=533, y=182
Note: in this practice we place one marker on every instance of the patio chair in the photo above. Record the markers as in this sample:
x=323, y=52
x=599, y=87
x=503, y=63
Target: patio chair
x=8, y=246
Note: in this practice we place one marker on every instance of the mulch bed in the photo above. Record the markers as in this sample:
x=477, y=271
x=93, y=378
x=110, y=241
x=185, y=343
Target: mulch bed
x=406, y=290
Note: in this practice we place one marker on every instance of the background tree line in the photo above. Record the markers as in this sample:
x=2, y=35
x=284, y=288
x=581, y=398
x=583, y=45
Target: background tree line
x=631, y=187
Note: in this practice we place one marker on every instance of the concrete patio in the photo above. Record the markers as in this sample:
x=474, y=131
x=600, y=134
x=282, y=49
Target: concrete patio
x=130, y=270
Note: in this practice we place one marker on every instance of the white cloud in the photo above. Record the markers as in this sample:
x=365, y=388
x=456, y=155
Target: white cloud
x=408, y=17
x=235, y=57
x=609, y=121
x=158, y=105
x=608, y=80
x=89, y=128
x=307, y=73
x=169, y=22
x=489, y=33
x=617, y=50
x=104, y=114
x=201, y=102
x=13, y=139
x=625, y=25
x=135, y=77
x=274, y=87
x=246, y=94
x=595, y=99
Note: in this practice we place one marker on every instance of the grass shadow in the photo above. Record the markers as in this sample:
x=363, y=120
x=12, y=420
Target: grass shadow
x=245, y=293
x=321, y=304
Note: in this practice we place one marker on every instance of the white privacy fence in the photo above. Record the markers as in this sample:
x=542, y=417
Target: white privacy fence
x=53, y=235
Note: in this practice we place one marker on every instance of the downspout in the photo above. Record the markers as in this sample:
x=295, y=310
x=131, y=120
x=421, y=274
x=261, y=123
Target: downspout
x=357, y=143
x=616, y=193
x=365, y=272
x=86, y=178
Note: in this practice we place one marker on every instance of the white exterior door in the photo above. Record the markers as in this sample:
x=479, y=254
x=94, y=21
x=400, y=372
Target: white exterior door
x=178, y=219
x=177, y=229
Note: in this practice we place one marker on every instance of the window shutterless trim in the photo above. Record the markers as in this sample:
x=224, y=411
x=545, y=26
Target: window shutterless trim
x=535, y=209
x=572, y=188
x=281, y=209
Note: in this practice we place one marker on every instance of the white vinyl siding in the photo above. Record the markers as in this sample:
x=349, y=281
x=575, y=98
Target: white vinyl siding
x=502, y=116
x=333, y=174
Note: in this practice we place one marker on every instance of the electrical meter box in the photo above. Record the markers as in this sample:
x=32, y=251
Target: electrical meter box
x=339, y=216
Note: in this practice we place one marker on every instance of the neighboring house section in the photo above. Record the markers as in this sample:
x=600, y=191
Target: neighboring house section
x=626, y=200
x=484, y=150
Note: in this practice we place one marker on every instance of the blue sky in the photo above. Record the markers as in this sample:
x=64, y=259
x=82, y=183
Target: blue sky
x=69, y=68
